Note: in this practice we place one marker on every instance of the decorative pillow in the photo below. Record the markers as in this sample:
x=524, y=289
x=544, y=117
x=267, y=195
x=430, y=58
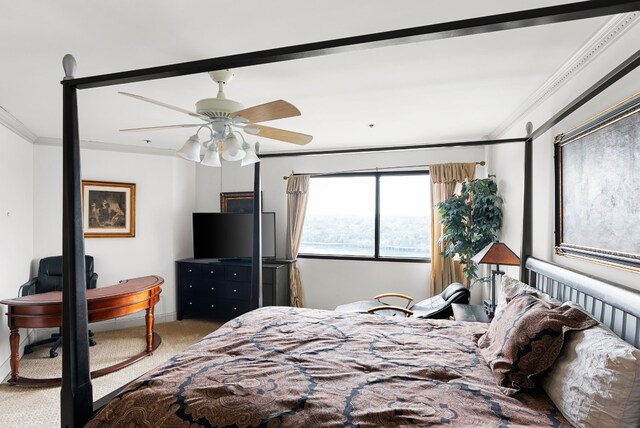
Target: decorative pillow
x=511, y=287
x=595, y=382
x=526, y=338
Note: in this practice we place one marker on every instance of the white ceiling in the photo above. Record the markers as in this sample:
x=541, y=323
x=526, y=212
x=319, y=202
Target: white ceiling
x=448, y=90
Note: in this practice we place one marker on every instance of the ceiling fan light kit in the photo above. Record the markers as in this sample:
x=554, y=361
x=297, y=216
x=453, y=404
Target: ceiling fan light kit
x=222, y=117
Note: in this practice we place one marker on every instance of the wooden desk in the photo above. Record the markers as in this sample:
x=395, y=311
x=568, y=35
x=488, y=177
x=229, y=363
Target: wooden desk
x=45, y=310
x=474, y=313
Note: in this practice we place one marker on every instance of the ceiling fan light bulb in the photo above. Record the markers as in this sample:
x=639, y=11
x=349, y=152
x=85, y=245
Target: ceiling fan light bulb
x=191, y=149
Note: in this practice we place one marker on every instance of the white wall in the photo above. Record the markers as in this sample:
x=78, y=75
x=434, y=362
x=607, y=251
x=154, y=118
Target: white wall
x=165, y=197
x=16, y=226
x=504, y=157
x=328, y=283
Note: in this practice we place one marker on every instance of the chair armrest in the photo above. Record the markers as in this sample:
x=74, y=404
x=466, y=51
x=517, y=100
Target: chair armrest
x=27, y=288
x=93, y=281
x=407, y=312
x=402, y=296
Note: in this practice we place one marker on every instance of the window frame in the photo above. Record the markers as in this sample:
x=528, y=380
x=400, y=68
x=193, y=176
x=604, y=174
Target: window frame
x=376, y=243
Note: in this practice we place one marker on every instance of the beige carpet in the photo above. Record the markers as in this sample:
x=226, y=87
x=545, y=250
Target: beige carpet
x=40, y=407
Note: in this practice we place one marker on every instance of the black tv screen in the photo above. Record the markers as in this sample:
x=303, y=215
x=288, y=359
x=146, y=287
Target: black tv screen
x=230, y=235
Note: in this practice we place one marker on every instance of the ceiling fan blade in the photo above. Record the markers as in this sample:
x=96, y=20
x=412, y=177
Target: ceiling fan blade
x=278, y=134
x=278, y=109
x=157, y=128
x=165, y=105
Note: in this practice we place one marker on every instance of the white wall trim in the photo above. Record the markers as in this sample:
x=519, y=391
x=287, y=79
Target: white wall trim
x=598, y=43
x=11, y=122
x=111, y=147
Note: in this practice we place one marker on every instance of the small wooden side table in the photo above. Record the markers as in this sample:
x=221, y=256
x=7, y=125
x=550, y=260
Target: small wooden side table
x=474, y=313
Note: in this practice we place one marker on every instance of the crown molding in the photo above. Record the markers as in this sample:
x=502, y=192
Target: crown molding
x=598, y=43
x=11, y=122
x=110, y=147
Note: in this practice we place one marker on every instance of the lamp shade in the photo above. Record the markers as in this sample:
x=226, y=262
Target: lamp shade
x=212, y=157
x=250, y=155
x=191, y=149
x=232, y=149
x=496, y=253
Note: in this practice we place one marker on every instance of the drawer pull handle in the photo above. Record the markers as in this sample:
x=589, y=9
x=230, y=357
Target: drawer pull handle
x=191, y=303
x=235, y=274
x=212, y=288
x=211, y=271
x=190, y=286
x=212, y=306
x=234, y=290
x=190, y=270
x=235, y=309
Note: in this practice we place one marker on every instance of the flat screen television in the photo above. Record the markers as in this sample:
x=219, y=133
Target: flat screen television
x=230, y=235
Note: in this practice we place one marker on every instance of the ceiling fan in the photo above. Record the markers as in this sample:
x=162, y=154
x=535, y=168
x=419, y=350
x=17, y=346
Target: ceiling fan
x=223, y=118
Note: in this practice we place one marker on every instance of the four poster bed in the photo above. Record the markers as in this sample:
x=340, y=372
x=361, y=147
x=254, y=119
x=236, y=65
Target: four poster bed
x=297, y=367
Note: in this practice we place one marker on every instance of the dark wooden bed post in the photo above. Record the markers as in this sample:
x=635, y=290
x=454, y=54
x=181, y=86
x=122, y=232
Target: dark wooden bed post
x=76, y=395
x=527, y=208
x=256, y=263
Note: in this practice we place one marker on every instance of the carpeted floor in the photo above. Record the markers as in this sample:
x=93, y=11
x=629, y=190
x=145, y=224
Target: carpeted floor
x=40, y=407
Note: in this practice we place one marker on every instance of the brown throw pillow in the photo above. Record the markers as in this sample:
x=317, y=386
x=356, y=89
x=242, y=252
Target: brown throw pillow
x=526, y=338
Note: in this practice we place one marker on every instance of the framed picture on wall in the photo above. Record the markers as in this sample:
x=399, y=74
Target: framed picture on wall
x=236, y=202
x=108, y=209
x=598, y=188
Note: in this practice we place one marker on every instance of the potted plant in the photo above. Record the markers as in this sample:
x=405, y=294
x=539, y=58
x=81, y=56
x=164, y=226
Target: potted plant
x=471, y=221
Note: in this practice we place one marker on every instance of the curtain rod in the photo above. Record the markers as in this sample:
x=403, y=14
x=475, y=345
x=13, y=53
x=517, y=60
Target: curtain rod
x=319, y=174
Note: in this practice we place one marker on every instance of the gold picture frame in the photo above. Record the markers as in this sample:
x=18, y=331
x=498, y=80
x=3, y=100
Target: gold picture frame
x=236, y=202
x=596, y=186
x=108, y=209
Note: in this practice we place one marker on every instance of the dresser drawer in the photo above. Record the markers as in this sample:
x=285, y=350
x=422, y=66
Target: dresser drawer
x=231, y=290
x=237, y=273
x=233, y=308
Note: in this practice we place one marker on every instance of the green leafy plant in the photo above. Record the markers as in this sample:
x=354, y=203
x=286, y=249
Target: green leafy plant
x=471, y=221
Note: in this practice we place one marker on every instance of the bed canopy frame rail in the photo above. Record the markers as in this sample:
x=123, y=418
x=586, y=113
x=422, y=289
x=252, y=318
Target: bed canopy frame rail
x=76, y=395
x=614, y=306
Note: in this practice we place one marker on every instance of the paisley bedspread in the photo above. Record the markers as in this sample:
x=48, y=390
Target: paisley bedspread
x=287, y=367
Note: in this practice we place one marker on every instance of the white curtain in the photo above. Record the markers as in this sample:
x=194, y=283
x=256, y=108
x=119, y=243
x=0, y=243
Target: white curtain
x=444, y=178
x=297, y=192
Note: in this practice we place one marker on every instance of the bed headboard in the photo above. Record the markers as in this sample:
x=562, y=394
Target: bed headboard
x=615, y=306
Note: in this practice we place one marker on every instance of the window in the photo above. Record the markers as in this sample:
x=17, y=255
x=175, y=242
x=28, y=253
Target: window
x=380, y=216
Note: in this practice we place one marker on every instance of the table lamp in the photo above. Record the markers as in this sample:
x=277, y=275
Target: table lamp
x=496, y=253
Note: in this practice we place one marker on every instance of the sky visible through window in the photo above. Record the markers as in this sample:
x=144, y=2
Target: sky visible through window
x=340, y=217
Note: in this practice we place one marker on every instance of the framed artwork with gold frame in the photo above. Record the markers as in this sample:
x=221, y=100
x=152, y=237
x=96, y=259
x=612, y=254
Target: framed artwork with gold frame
x=108, y=209
x=236, y=202
x=598, y=188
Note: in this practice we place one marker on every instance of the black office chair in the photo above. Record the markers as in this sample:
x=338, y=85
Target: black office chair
x=438, y=306
x=50, y=279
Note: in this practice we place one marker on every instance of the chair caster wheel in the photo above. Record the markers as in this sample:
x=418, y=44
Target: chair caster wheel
x=92, y=342
x=53, y=354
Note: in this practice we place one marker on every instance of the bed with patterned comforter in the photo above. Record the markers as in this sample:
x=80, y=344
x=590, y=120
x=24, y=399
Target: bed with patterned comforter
x=287, y=367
